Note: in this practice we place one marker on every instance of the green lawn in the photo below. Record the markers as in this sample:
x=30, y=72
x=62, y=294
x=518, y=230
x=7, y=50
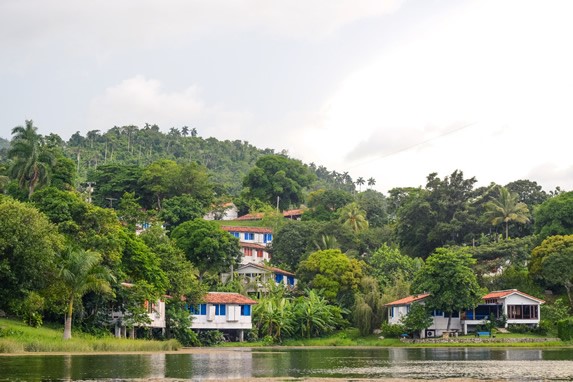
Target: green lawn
x=16, y=337
x=351, y=337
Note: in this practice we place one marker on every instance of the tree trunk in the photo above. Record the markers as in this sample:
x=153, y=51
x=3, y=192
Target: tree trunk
x=568, y=289
x=68, y=320
x=506, y=230
x=449, y=321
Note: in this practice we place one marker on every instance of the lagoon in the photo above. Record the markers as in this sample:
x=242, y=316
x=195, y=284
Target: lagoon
x=272, y=363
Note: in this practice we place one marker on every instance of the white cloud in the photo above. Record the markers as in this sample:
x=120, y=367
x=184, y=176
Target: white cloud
x=105, y=25
x=500, y=68
x=139, y=100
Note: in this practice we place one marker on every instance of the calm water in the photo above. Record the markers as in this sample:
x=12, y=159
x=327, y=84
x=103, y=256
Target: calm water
x=480, y=363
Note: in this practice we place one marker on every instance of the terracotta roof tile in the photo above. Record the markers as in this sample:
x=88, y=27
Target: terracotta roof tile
x=256, y=216
x=246, y=229
x=409, y=299
x=252, y=245
x=227, y=298
x=508, y=292
x=296, y=212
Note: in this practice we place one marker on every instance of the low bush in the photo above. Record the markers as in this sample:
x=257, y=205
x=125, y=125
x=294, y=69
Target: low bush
x=392, y=331
x=565, y=329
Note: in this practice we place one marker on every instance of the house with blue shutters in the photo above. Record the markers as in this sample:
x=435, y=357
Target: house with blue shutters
x=253, y=242
x=517, y=307
x=230, y=313
x=256, y=277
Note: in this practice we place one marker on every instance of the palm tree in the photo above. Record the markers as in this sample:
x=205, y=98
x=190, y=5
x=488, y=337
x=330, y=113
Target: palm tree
x=354, y=217
x=33, y=161
x=371, y=182
x=360, y=182
x=81, y=272
x=327, y=242
x=506, y=208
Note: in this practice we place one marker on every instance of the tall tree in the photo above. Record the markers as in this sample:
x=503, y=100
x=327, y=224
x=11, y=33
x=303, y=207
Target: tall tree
x=334, y=272
x=371, y=182
x=81, y=272
x=278, y=180
x=354, y=217
x=555, y=216
x=360, y=182
x=207, y=246
x=33, y=161
x=506, y=208
x=448, y=276
x=28, y=247
x=552, y=262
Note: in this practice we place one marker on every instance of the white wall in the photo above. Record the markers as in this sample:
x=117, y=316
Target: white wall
x=231, y=320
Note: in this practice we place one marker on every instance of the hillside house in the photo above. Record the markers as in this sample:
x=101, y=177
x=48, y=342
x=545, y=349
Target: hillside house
x=253, y=242
x=257, y=276
x=518, y=307
x=228, y=211
x=230, y=313
x=155, y=315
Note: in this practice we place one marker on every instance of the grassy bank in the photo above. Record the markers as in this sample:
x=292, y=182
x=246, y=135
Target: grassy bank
x=351, y=337
x=16, y=337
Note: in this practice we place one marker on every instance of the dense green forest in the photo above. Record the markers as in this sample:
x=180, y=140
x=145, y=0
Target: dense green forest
x=69, y=213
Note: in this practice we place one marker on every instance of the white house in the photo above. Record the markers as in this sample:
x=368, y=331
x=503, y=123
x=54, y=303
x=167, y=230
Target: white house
x=155, y=313
x=518, y=307
x=253, y=242
x=230, y=313
x=228, y=211
x=257, y=276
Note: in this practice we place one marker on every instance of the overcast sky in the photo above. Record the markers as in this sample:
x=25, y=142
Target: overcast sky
x=390, y=89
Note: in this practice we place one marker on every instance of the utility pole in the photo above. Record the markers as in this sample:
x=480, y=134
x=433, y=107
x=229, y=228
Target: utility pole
x=111, y=201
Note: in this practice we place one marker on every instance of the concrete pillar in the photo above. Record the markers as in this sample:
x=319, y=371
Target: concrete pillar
x=241, y=335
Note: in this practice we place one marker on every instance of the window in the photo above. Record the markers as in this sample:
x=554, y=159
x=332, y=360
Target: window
x=259, y=253
x=290, y=280
x=236, y=234
x=278, y=278
x=522, y=312
x=249, y=236
x=220, y=309
x=245, y=310
x=200, y=309
x=438, y=313
x=267, y=237
x=248, y=251
x=392, y=312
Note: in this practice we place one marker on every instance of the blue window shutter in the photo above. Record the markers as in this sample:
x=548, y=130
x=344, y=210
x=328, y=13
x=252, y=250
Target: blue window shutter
x=203, y=309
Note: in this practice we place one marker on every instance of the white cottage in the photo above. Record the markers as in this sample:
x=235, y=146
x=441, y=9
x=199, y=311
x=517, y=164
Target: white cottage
x=253, y=242
x=156, y=315
x=257, y=276
x=518, y=307
x=230, y=313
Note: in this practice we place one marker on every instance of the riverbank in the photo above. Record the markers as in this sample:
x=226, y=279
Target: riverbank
x=18, y=338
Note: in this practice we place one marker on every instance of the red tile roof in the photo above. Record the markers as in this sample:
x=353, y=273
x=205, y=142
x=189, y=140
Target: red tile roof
x=227, y=298
x=252, y=245
x=409, y=299
x=255, y=216
x=290, y=213
x=246, y=229
x=508, y=292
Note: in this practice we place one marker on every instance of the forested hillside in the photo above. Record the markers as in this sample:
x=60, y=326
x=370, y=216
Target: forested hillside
x=129, y=203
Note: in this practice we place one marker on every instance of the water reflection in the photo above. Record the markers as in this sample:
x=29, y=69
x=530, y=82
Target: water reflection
x=224, y=364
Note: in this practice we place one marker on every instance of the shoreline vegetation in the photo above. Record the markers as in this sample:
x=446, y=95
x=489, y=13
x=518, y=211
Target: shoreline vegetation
x=18, y=339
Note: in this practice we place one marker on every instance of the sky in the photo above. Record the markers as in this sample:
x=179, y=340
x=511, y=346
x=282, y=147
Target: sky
x=388, y=89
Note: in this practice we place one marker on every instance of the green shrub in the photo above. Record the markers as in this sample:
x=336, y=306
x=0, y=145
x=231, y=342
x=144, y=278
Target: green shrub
x=392, y=331
x=565, y=329
x=517, y=328
x=211, y=337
